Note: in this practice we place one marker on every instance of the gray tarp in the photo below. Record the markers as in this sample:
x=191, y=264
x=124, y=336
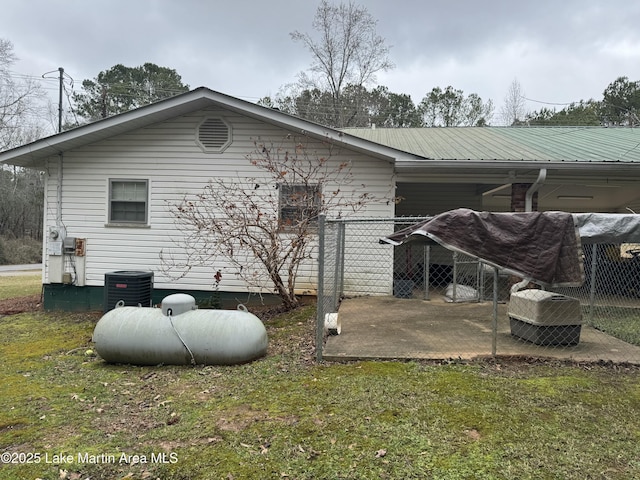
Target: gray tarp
x=544, y=247
x=608, y=227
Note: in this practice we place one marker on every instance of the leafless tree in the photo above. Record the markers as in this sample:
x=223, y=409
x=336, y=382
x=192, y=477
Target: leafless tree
x=514, y=111
x=265, y=226
x=21, y=207
x=21, y=194
x=347, y=51
x=20, y=103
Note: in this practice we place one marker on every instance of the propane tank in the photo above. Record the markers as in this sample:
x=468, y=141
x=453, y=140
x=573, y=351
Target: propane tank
x=179, y=334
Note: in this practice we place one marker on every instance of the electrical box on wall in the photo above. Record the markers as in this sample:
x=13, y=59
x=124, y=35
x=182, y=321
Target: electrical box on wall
x=81, y=245
x=57, y=234
x=54, y=248
x=69, y=246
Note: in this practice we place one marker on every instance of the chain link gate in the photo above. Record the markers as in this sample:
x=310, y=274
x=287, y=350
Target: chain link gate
x=468, y=308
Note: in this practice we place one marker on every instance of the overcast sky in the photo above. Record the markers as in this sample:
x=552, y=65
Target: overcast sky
x=559, y=50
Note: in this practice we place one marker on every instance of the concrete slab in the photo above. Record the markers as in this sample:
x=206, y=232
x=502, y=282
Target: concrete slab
x=397, y=328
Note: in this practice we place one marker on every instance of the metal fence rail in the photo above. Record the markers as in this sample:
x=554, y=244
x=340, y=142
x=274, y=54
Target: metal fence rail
x=477, y=313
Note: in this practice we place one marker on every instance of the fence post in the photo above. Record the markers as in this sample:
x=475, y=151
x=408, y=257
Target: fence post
x=320, y=314
x=592, y=290
x=343, y=256
x=494, y=323
x=338, y=277
x=479, y=281
x=425, y=269
x=454, y=293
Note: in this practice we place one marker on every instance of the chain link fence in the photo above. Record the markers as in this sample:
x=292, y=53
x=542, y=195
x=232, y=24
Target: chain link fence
x=448, y=305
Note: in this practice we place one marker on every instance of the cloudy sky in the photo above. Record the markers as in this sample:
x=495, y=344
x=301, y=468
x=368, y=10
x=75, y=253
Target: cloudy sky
x=559, y=50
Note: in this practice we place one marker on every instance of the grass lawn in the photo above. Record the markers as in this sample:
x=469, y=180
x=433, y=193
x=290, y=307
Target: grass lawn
x=66, y=414
x=620, y=322
x=11, y=287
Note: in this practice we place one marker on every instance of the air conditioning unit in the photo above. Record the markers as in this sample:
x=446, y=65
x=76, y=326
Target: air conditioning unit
x=127, y=288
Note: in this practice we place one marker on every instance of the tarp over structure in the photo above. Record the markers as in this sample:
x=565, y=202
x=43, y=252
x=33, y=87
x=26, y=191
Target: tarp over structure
x=608, y=227
x=543, y=247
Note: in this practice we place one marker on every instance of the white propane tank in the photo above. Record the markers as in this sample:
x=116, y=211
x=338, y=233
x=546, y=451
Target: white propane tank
x=178, y=303
x=153, y=336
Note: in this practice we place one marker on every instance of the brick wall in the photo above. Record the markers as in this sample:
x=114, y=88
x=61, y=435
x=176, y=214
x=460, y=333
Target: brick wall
x=518, y=195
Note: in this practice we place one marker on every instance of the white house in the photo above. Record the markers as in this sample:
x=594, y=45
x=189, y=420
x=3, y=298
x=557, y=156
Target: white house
x=109, y=184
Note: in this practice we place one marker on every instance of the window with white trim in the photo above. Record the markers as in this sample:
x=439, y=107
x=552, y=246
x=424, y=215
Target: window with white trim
x=128, y=201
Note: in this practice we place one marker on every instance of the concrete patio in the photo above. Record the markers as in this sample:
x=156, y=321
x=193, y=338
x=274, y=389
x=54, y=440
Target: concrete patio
x=381, y=327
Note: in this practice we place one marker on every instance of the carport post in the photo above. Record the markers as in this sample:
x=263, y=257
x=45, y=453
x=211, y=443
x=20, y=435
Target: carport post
x=494, y=323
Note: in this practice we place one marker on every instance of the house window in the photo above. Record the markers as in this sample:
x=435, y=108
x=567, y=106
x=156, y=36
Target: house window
x=128, y=201
x=299, y=203
x=213, y=135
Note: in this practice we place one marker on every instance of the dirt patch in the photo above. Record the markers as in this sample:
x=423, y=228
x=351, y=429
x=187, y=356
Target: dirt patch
x=240, y=418
x=30, y=303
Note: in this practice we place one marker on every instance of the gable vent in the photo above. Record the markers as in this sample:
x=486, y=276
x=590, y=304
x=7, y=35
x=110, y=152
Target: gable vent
x=214, y=135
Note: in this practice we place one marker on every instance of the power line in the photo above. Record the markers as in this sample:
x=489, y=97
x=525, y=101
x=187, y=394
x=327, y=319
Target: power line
x=70, y=104
x=546, y=103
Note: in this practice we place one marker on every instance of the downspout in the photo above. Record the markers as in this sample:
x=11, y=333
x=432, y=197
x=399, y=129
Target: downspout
x=528, y=207
x=528, y=199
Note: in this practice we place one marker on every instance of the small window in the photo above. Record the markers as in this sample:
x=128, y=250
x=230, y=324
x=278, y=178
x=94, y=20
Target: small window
x=299, y=203
x=128, y=201
x=214, y=135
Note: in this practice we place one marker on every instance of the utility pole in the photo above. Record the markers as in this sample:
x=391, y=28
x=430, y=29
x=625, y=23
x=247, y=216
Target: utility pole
x=61, y=79
x=60, y=90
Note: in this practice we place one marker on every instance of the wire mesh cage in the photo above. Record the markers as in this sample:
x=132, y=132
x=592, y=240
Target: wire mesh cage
x=449, y=305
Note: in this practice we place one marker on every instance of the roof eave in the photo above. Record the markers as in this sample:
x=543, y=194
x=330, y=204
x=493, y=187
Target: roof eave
x=33, y=154
x=409, y=165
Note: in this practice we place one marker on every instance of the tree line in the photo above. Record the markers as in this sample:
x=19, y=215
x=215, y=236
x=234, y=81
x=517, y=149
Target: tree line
x=450, y=107
x=21, y=208
x=21, y=191
x=620, y=106
x=362, y=107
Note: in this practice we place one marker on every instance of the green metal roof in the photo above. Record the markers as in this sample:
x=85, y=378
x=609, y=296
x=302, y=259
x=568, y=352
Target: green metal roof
x=556, y=144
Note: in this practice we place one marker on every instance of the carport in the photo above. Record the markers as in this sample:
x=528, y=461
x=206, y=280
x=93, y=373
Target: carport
x=588, y=169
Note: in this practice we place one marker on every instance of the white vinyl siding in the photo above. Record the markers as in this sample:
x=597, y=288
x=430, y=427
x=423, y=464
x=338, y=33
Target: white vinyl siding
x=169, y=157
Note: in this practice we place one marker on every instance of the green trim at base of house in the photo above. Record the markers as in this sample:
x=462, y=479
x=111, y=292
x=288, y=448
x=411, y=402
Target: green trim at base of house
x=70, y=298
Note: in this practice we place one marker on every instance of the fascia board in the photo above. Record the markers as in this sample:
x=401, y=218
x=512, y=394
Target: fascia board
x=34, y=153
